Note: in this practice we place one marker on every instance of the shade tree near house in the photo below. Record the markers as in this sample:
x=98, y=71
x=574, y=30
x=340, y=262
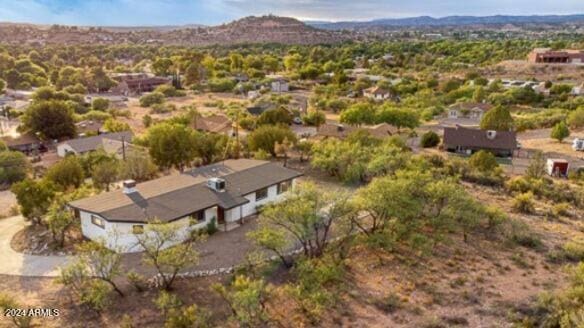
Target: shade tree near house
x=14, y=167
x=34, y=198
x=307, y=216
x=167, y=261
x=266, y=137
x=53, y=119
x=498, y=119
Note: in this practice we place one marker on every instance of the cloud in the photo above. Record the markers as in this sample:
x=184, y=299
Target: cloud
x=177, y=12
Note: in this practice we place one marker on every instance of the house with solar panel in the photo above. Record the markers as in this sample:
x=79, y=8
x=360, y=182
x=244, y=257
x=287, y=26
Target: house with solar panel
x=226, y=192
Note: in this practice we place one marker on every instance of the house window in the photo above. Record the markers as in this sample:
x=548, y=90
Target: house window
x=261, y=194
x=284, y=186
x=98, y=221
x=197, y=217
x=137, y=229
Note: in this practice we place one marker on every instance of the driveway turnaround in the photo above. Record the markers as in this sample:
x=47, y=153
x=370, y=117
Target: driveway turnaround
x=18, y=264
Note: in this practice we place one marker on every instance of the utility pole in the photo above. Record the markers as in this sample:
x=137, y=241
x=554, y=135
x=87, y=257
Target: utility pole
x=124, y=148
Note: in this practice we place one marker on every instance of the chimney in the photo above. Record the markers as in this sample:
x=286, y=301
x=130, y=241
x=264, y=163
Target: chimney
x=129, y=186
x=216, y=184
x=491, y=134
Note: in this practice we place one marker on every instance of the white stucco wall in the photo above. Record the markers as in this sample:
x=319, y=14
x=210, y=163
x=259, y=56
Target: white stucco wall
x=119, y=236
x=63, y=149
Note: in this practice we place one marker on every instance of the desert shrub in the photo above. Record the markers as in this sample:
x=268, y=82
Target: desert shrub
x=221, y=85
x=151, y=99
x=162, y=108
x=430, y=139
x=573, y=251
x=169, y=91
x=561, y=209
x=211, y=227
x=314, y=288
x=518, y=233
x=562, y=309
x=523, y=203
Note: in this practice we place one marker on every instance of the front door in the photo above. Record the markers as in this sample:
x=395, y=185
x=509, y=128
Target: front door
x=220, y=215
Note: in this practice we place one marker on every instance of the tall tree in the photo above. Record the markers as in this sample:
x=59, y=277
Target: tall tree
x=498, y=119
x=172, y=145
x=53, y=119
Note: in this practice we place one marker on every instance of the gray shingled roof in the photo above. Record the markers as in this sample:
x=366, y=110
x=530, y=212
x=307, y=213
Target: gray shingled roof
x=173, y=197
x=82, y=145
x=465, y=137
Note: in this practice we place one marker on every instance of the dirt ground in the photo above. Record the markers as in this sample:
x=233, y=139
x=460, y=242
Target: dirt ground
x=7, y=202
x=522, y=70
x=482, y=283
x=204, y=102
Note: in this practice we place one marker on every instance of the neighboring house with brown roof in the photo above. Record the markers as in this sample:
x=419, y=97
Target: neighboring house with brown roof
x=468, y=141
x=136, y=83
x=226, y=192
x=341, y=131
x=84, y=145
x=214, y=123
x=27, y=143
x=470, y=110
x=377, y=93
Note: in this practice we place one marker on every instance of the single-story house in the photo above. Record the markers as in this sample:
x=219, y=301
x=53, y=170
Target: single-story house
x=280, y=84
x=258, y=109
x=226, y=192
x=341, y=131
x=377, y=93
x=88, y=127
x=470, y=110
x=80, y=146
x=214, y=124
x=27, y=143
x=115, y=100
x=467, y=141
x=136, y=83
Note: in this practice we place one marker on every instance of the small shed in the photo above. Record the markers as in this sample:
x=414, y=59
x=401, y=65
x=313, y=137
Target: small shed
x=557, y=167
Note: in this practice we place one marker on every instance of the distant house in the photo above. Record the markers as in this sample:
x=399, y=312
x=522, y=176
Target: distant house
x=27, y=143
x=115, y=100
x=136, y=83
x=541, y=89
x=468, y=141
x=258, y=109
x=468, y=110
x=88, y=127
x=112, y=143
x=550, y=56
x=280, y=84
x=214, y=124
x=341, y=131
x=377, y=93
x=225, y=192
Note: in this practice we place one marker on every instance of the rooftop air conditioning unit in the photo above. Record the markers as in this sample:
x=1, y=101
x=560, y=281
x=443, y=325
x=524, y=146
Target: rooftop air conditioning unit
x=129, y=186
x=491, y=134
x=216, y=184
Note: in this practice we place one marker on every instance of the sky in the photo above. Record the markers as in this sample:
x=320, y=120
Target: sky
x=212, y=12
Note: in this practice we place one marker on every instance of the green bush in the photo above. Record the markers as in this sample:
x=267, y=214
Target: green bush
x=152, y=99
x=430, y=139
x=523, y=203
x=211, y=227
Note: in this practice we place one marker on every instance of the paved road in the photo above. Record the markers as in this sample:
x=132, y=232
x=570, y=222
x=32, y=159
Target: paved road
x=18, y=264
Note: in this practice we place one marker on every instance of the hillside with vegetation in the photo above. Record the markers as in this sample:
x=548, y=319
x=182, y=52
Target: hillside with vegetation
x=381, y=230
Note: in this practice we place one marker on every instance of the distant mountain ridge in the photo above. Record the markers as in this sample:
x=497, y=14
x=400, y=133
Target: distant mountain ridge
x=252, y=29
x=450, y=21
